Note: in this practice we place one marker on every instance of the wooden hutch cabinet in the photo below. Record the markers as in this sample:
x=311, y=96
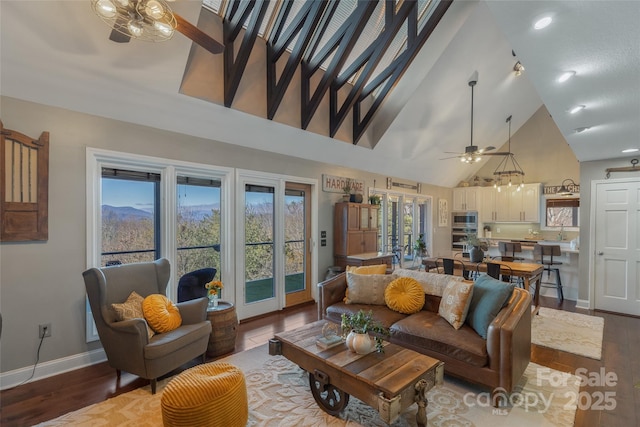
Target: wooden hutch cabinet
x=355, y=232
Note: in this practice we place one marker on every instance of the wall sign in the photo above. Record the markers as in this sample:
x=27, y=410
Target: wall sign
x=335, y=184
x=553, y=189
x=443, y=213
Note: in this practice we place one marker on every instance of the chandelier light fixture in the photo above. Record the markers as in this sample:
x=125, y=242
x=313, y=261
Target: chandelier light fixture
x=509, y=172
x=149, y=20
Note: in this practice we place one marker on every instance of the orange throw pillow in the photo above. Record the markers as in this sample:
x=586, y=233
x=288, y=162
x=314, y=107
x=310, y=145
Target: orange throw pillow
x=404, y=295
x=161, y=313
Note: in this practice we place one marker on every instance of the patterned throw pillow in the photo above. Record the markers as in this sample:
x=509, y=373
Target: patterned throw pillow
x=455, y=301
x=432, y=283
x=161, y=313
x=131, y=309
x=366, y=288
x=404, y=295
x=368, y=269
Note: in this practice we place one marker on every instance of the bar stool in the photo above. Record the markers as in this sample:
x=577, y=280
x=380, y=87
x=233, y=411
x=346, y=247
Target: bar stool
x=508, y=251
x=543, y=254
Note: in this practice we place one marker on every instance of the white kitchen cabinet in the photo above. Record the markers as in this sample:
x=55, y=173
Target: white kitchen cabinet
x=465, y=198
x=486, y=201
x=510, y=205
x=531, y=203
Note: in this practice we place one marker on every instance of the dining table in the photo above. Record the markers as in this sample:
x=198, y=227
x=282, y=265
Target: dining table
x=530, y=273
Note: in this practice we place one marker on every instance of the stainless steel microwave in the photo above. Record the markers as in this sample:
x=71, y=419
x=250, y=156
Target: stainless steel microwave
x=467, y=219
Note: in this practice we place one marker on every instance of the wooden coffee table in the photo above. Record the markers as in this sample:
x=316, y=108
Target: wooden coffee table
x=389, y=382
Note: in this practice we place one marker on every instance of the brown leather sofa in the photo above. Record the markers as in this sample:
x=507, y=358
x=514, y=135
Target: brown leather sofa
x=497, y=362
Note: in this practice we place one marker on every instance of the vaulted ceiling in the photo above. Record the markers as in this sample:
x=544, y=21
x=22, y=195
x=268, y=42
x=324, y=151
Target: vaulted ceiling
x=58, y=53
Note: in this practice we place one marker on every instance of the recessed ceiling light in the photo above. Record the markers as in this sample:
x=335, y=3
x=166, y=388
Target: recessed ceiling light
x=582, y=129
x=542, y=23
x=575, y=109
x=631, y=150
x=566, y=76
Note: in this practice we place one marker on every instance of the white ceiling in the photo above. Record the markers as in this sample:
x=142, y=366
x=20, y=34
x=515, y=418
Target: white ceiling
x=58, y=53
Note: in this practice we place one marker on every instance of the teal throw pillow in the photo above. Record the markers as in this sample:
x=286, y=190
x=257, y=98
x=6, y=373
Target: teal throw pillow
x=489, y=296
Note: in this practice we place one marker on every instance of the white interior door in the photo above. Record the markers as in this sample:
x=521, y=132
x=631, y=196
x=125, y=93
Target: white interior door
x=617, y=246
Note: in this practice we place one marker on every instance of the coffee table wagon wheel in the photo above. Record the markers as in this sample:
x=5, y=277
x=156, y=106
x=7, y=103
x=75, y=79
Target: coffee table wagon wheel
x=330, y=398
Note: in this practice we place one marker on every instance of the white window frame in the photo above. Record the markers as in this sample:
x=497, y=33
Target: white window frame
x=278, y=181
x=168, y=169
x=401, y=198
x=543, y=213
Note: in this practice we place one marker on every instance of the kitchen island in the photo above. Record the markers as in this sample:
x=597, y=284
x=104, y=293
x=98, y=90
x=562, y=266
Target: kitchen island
x=568, y=268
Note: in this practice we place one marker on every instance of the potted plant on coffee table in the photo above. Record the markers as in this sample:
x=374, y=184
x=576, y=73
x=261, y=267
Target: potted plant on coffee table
x=359, y=325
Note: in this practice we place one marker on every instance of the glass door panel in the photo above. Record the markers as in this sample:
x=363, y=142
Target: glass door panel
x=296, y=244
x=259, y=243
x=407, y=229
x=393, y=228
x=364, y=218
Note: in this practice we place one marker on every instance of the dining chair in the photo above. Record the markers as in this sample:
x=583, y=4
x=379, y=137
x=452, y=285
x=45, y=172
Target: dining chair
x=453, y=267
x=494, y=269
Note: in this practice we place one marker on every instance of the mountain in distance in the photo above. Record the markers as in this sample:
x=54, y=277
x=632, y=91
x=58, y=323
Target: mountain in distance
x=125, y=212
x=197, y=212
x=193, y=212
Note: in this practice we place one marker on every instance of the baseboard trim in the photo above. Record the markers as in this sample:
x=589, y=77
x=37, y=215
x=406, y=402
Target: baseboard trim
x=53, y=367
x=583, y=303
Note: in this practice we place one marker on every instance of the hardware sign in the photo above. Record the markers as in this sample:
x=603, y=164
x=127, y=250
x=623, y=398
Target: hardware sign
x=335, y=184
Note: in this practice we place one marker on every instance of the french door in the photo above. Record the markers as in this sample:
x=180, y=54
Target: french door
x=273, y=263
x=297, y=249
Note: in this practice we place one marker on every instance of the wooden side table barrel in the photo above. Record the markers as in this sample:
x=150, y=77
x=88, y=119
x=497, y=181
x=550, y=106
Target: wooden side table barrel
x=224, y=329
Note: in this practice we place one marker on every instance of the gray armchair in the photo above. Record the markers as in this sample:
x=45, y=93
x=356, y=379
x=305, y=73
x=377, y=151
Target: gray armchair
x=126, y=342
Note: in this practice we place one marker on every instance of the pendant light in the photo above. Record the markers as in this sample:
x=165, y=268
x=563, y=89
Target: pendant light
x=509, y=172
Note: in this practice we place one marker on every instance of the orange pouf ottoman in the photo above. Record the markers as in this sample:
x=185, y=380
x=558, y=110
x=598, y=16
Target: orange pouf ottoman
x=213, y=394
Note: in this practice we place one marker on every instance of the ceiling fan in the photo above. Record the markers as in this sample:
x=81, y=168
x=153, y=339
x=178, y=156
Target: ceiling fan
x=472, y=153
x=149, y=20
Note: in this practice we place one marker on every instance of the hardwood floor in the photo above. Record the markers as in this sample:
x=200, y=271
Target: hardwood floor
x=49, y=398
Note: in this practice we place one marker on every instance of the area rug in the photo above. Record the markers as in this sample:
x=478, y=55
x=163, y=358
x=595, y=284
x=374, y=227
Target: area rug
x=571, y=332
x=279, y=395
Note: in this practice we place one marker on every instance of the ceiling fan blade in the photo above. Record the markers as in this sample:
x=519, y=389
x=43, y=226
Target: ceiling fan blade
x=489, y=148
x=498, y=153
x=197, y=35
x=119, y=35
x=452, y=157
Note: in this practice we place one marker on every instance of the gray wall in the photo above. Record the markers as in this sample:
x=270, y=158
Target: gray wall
x=42, y=282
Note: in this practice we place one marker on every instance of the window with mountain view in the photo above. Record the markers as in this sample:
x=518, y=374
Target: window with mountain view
x=198, y=224
x=130, y=216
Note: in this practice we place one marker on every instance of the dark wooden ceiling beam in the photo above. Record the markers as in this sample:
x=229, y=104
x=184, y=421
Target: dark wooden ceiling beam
x=367, y=62
x=389, y=77
x=303, y=25
x=341, y=44
x=239, y=13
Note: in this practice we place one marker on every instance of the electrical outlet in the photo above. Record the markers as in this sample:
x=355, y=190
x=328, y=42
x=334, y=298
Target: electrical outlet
x=498, y=229
x=44, y=330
